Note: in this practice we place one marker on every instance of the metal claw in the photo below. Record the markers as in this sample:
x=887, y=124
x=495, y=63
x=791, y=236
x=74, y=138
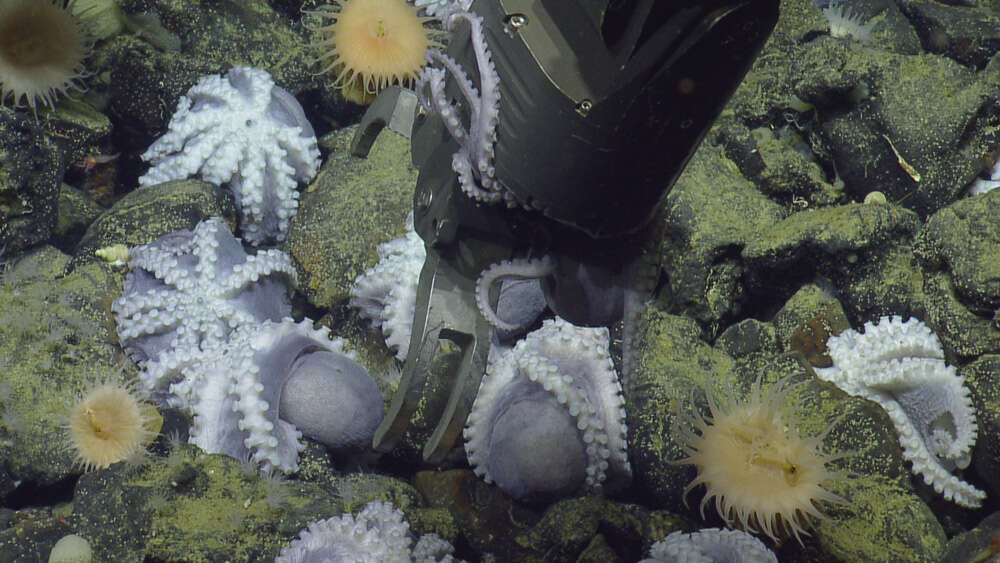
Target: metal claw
x=445, y=316
x=395, y=108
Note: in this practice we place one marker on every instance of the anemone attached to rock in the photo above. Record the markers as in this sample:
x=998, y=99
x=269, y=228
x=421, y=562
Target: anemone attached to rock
x=42, y=49
x=844, y=21
x=109, y=423
x=764, y=476
x=371, y=44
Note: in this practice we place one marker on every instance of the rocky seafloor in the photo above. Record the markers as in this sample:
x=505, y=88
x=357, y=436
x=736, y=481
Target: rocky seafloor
x=770, y=248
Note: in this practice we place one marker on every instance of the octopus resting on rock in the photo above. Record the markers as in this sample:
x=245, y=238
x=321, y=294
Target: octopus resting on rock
x=188, y=290
x=209, y=326
x=549, y=418
x=255, y=397
x=243, y=132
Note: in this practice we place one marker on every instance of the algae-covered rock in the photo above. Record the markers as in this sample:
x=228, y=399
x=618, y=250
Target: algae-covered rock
x=145, y=215
x=75, y=126
x=578, y=529
x=882, y=523
x=907, y=125
x=781, y=164
x=34, y=155
x=353, y=205
x=962, y=331
x=571, y=529
x=711, y=214
x=983, y=378
x=843, y=243
x=672, y=361
x=959, y=249
x=828, y=236
x=888, y=282
x=30, y=175
x=76, y=213
x=55, y=337
x=29, y=534
x=808, y=320
x=170, y=44
x=879, y=116
x=964, y=241
x=196, y=507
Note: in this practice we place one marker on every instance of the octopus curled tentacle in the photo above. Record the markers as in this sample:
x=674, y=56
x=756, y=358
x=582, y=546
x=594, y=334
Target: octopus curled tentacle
x=549, y=418
x=524, y=268
x=473, y=162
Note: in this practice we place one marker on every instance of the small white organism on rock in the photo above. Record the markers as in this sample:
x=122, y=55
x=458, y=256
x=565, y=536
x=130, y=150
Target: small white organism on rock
x=845, y=22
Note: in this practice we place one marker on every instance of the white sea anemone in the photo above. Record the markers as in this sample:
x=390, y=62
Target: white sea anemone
x=845, y=22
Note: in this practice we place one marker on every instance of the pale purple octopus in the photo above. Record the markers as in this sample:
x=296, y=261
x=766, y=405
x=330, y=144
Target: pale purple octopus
x=549, y=418
x=188, y=290
x=474, y=160
x=198, y=314
x=255, y=397
x=244, y=132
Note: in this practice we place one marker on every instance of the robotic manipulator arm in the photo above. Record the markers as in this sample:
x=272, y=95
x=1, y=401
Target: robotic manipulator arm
x=547, y=138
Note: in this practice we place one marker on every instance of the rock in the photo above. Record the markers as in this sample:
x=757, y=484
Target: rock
x=191, y=506
x=982, y=375
x=883, y=126
x=29, y=535
x=842, y=243
x=807, y=320
x=353, y=205
x=976, y=545
x=883, y=523
x=576, y=529
x=76, y=213
x=672, y=361
x=712, y=213
x=151, y=67
x=55, y=336
x=29, y=183
x=958, y=249
x=488, y=519
x=143, y=216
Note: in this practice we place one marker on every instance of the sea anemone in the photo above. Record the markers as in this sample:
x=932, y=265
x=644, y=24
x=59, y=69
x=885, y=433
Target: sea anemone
x=845, y=22
x=764, y=476
x=110, y=423
x=42, y=48
x=275, y=488
x=371, y=44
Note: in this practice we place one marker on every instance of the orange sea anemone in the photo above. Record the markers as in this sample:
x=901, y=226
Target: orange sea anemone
x=42, y=48
x=372, y=44
x=110, y=423
x=763, y=475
